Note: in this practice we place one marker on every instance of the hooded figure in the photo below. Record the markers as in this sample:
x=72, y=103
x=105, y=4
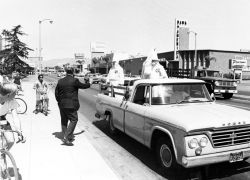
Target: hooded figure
x=116, y=75
x=151, y=68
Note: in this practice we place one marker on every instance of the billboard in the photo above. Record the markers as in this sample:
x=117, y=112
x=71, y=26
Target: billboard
x=97, y=47
x=79, y=56
x=238, y=64
x=180, y=29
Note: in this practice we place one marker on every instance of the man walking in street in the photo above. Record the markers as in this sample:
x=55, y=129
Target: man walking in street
x=66, y=94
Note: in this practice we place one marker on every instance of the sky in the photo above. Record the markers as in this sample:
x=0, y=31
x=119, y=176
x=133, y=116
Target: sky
x=128, y=26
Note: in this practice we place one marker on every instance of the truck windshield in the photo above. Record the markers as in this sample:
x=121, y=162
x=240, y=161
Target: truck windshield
x=179, y=93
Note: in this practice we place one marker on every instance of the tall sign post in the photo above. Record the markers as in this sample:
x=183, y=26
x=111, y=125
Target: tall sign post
x=178, y=25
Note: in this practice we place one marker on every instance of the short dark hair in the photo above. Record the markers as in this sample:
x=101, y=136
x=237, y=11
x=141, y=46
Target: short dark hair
x=69, y=71
x=40, y=75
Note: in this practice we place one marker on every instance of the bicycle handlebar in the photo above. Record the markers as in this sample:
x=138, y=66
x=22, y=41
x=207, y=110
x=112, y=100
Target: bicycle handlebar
x=20, y=135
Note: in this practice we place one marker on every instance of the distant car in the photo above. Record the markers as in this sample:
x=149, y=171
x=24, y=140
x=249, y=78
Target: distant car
x=81, y=74
x=103, y=78
x=61, y=74
x=92, y=78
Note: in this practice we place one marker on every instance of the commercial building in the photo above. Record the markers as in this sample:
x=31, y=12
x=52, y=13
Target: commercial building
x=227, y=62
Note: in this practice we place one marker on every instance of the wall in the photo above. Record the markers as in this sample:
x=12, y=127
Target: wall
x=222, y=62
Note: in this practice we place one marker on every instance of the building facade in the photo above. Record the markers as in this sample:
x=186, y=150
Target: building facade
x=220, y=60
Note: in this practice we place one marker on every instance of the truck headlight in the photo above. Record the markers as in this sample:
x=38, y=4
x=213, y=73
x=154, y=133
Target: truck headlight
x=235, y=84
x=193, y=143
x=203, y=142
x=216, y=83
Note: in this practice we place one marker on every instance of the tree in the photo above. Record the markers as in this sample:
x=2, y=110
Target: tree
x=81, y=62
x=57, y=68
x=14, y=50
x=95, y=60
x=106, y=59
x=65, y=66
x=208, y=59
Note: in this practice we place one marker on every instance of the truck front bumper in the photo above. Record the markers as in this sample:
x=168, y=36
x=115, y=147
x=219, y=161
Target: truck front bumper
x=201, y=160
x=225, y=91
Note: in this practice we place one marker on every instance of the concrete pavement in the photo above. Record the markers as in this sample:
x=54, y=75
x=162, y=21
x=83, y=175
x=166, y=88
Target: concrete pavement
x=43, y=156
x=243, y=88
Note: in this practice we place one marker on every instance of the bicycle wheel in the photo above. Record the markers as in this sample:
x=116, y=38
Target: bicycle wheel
x=22, y=108
x=8, y=168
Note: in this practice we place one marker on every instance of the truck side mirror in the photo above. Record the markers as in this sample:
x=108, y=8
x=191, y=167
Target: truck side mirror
x=126, y=95
x=213, y=97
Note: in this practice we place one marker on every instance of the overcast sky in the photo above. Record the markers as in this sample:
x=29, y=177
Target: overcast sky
x=131, y=26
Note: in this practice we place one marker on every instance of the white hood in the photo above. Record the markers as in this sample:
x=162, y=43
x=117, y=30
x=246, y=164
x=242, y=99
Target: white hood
x=199, y=115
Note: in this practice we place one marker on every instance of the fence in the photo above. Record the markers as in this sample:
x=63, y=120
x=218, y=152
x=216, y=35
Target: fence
x=180, y=73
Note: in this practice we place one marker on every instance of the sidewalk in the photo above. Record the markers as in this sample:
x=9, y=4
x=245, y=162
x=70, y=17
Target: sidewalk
x=43, y=157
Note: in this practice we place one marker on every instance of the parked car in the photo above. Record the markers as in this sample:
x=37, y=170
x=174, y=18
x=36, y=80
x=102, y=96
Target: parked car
x=103, y=78
x=179, y=120
x=81, y=74
x=61, y=74
x=92, y=78
x=216, y=83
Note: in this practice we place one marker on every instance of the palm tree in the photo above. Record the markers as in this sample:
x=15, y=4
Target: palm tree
x=14, y=50
x=95, y=60
x=81, y=62
x=208, y=59
x=106, y=59
x=65, y=66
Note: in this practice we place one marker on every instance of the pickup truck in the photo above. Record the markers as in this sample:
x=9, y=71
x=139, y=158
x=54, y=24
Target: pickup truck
x=179, y=121
x=216, y=83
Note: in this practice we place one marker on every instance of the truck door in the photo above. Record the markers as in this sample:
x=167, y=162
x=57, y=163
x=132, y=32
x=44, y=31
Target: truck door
x=134, y=119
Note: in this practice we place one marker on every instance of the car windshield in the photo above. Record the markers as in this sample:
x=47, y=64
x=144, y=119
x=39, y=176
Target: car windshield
x=213, y=73
x=179, y=93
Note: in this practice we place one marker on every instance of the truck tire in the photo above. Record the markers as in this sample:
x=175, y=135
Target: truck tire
x=165, y=155
x=112, y=129
x=227, y=95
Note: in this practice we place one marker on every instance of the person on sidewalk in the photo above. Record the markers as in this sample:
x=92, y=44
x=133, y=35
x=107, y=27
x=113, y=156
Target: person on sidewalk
x=42, y=99
x=9, y=104
x=17, y=80
x=66, y=94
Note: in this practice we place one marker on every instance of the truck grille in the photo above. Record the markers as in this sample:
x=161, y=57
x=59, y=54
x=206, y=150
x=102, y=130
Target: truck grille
x=230, y=137
x=225, y=83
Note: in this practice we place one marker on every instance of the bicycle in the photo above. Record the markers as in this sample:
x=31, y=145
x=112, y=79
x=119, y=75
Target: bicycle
x=22, y=105
x=8, y=167
x=43, y=104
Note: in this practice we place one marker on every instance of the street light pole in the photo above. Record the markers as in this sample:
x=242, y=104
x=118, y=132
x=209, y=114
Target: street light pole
x=195, y=50
x=40, y=43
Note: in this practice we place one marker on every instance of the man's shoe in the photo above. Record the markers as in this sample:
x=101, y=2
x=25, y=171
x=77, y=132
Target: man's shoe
x=67, y=142
x=45, y=113
x=71, y=139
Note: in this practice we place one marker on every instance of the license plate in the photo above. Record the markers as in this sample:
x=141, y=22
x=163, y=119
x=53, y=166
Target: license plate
x=236, y=157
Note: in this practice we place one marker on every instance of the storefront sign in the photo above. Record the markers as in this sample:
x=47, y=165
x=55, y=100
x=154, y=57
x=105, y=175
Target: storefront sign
x=238, y=63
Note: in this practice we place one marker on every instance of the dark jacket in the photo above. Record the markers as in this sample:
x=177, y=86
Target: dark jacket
x=66, y=92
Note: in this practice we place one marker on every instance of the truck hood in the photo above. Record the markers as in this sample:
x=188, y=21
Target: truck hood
x=199, y=115
x=217, y=79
